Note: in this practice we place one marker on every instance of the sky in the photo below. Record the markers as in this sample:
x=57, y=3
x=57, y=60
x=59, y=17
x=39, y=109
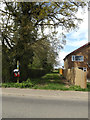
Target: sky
x=75, y=39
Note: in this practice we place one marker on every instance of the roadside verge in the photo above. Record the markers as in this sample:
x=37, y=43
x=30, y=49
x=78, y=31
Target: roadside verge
x=46, y=93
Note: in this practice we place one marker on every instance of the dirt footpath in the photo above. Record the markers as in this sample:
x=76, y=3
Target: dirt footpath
x=45, y=93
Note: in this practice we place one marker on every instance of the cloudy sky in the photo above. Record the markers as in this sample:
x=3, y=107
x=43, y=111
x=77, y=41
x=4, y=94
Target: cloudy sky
x=76, y=39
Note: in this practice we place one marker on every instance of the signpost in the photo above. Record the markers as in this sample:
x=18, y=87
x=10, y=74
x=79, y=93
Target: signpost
x=18, y=70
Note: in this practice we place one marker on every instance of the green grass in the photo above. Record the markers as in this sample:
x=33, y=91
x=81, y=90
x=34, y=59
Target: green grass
x=54, y=76
x=51, y=86
x=52, y=81
x=17, y=85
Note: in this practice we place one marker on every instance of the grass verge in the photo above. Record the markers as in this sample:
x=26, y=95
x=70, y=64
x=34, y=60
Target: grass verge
x=51, y=81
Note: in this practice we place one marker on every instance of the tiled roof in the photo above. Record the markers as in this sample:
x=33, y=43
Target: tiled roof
x=77, y=49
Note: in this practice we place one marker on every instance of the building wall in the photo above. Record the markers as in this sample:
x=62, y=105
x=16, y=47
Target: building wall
x=85, y=51
x=88, y=75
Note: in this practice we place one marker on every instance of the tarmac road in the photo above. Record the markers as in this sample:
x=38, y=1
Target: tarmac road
x=36, y=107
x=31, y=106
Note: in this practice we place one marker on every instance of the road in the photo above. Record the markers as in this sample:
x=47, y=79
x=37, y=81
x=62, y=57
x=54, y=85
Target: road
x=27, y=106
x=36, y=107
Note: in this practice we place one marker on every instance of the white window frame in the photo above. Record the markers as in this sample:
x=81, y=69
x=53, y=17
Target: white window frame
x=84, y=69
x=74, y=58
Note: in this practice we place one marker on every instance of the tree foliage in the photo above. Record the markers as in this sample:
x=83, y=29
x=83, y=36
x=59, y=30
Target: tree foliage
x=23, y=34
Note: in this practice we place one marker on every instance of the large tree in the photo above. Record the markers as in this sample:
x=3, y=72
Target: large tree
x=23, y=27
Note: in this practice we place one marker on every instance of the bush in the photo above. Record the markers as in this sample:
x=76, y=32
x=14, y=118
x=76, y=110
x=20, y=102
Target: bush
x=36, y=73
x=18, y=85
x=55, y=71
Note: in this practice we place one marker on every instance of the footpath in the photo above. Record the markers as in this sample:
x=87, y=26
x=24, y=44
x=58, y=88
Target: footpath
x=77, y=95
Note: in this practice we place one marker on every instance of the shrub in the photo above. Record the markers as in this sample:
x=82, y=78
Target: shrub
x=36, y=73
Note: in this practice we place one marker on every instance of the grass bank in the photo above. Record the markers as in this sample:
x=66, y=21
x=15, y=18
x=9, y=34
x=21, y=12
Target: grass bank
x=52, y=81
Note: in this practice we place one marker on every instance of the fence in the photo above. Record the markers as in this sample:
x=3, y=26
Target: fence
x=76, y=77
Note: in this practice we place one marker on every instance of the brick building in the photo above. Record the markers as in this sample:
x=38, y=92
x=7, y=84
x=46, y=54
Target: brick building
x=79, y=58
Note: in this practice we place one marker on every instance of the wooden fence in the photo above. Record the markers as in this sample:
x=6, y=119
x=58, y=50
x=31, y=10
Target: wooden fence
x=76, y=77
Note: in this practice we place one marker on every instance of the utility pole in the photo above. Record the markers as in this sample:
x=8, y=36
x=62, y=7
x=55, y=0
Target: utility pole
x=18, y=70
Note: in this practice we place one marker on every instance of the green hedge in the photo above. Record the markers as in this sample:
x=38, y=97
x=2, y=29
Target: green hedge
x=36, y=73
x=24, y=75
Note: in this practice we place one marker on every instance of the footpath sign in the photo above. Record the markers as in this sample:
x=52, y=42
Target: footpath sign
x=16, y=73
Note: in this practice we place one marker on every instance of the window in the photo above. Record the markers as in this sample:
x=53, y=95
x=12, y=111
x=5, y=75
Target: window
x=80, y=68
x=83, y=68
x=77, y=58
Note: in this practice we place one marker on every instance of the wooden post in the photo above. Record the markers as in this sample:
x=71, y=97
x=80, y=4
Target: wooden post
x=18, y=70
